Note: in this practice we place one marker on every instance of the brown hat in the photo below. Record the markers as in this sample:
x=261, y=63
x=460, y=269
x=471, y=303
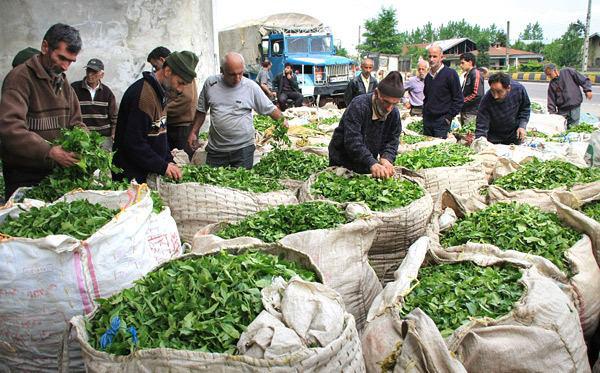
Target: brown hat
x=392, y=85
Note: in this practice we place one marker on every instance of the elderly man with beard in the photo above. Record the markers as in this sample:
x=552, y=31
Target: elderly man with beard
x=141, y=145
x=366, y=140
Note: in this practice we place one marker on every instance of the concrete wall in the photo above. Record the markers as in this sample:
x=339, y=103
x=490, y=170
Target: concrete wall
x=119, y=32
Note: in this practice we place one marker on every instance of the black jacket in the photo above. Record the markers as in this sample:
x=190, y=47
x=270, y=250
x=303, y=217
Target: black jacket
x=443, y=95
x=356, y=87
x=564, y=92
x=472, y=90
x=293, y=83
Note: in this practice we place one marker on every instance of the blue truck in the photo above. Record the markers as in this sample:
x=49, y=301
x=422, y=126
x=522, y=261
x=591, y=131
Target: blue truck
x=300, y=40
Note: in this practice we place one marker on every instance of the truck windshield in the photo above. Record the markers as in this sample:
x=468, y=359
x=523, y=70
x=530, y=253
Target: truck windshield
x=297, y=45
x=320, y=44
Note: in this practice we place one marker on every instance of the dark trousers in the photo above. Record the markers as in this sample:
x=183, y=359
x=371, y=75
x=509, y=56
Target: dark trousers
x=177, y=137
x=284, y=96
x=436, y=127
x=416, y=111
x=243, y=157
x=505, y=140
x=16, y=177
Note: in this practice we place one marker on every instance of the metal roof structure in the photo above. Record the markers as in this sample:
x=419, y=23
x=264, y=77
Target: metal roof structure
x=284, y=23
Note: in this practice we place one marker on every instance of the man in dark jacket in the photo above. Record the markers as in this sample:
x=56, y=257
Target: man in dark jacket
x=504, y=111
x=364, y=83
x=141, y=136
x=97, y=101
x=287, y=88
x=564, y=92
x=472, y=88
x=366, y=140
x=443, y=96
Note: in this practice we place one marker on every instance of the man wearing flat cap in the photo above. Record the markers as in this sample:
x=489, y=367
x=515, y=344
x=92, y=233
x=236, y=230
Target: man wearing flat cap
x=367, y=138
x=97, y=101
x=141, y=136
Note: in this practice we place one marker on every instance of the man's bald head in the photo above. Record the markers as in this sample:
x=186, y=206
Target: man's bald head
x=422, y=68
x=436, y=55
x=232, y=68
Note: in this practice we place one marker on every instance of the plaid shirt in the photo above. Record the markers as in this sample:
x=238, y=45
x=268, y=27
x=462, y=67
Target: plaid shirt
x=500, y=119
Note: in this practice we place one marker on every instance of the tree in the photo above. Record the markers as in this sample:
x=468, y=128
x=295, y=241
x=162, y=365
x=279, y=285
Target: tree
x=566, y=50
x=533, y=31
x=381, y=34
x=341, y=51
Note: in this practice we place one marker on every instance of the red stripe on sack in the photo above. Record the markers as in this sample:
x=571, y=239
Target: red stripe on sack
x=90, y=264
x=85, y=299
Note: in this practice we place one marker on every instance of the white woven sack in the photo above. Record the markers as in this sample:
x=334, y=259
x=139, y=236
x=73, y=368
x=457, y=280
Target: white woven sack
x=403, y=148
x=339, y=253
x=585, y=283
x=307, y=309
x=401, y=227
x=540, y=334
x=194, y=205
x=47, y=281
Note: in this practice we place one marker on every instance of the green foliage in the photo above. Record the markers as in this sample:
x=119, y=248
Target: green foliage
x=547, y=175
x=79, y=219
x=416, y=126
x=196, y=304
x=341, y=51
x=290, y=164
x=381, y=34
x=582, y=127
x=263, y=122
x=412, y=139
x=566, y=50
x=237, y=178
x=513, y=226
x=92, y=157
x=441, y=155
x=592, y=210
x=377, y=194
x=468, y=127
x=531, y=66
x=451, y=294
x=533, y=31
x=536, y=108
x=275, y=223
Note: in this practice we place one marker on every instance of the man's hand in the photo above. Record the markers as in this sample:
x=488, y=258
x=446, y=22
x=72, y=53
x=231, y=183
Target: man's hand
x=62, y=157
x=389, y=167
x=407, y=105
x=192, y=138
x=521, y=133
x=588, y=95
x=173, y=171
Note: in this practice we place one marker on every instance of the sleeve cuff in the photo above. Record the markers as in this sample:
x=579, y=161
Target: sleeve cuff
x=523, y=125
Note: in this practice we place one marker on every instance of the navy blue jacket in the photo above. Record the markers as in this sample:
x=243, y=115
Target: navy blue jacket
x=359, y=140
x=443, y=95
x=140, y=144
x=499, y=120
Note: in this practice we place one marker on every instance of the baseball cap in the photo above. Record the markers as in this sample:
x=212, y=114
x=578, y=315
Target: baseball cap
x=95, y=64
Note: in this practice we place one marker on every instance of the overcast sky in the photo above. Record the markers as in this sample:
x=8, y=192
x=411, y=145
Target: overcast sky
x=344, y=17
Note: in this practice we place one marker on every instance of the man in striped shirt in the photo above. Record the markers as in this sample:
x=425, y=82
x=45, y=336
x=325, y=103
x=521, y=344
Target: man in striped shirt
x=97, y=101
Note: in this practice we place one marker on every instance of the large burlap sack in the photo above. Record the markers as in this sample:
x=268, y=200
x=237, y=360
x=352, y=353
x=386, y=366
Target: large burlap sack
x=44, y=282
x=341, y=254
x=401, y=227
x=194, y=205
x=403, y=148
x=585, y=282
x=462, y=180
x=549, y=124
x=295, y=314
x=537, y=197
x=540, y=334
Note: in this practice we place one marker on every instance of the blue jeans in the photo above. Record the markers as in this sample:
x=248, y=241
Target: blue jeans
x=436, y=127
x=243, y=157
x=572, y=116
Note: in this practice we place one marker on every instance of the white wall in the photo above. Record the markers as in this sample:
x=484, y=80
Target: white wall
x=119, y=32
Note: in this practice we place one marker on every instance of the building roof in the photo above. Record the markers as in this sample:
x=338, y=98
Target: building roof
x=447, y=44
x=594, y=35
x=501, y=52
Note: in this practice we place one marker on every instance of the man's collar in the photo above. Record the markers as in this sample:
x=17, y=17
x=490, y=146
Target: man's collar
x=437, y=71
x=374, y=114
x=87, y=86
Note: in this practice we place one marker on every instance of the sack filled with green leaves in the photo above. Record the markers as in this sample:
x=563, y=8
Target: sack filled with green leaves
x=472, y=310
x=58, y=258
x=534, y=181
x=289, y=164
x=401, y=203
x=445, y=166
x=537, y=234
x=207, y=195
x=337, y=237
x=199, y=310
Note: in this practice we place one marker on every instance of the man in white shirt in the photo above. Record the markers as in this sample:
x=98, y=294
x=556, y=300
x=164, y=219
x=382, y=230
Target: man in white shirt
x=364, y=83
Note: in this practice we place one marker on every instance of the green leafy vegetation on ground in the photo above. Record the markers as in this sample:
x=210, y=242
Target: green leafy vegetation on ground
x=468, y=127
x=412, y=139
x=79, y=219
x=552, y=174
x=377, y=194
x=520, y=227
x=441, y=155
x=263, y=122
x=290, y=164
x=416, y=126
x=237, y=178
x=199, y=304
x=582, y=128
x=451, y=294
x=275, y=223
x=592, y=210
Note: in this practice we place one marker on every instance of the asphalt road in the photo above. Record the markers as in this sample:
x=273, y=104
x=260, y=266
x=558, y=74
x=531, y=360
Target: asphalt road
x=538, y=92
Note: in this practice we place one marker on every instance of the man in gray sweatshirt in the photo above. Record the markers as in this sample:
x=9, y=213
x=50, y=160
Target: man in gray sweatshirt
x=564, y=92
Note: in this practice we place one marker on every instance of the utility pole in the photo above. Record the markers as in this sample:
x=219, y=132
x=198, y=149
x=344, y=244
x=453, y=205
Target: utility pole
x=586, y=40
x=507, y=45
x=358, y=42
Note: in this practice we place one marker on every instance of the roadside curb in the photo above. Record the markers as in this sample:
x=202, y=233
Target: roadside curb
x=541, y=77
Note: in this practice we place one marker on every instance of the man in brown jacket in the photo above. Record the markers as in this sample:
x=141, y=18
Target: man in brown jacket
x=37, y=102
